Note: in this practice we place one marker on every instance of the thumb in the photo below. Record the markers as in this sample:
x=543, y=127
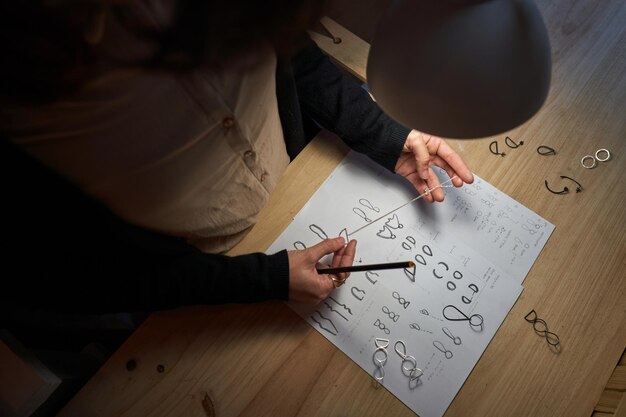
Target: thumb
x=325, y=247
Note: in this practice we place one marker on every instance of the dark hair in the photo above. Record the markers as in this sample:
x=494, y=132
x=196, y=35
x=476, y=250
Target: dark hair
x=45, y=53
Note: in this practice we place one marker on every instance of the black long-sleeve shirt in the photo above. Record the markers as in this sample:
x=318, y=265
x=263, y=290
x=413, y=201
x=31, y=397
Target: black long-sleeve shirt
x=65, y=251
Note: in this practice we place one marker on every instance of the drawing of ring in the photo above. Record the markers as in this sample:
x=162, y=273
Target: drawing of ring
x=336, y=281
x=608, y=155
x=586, y=157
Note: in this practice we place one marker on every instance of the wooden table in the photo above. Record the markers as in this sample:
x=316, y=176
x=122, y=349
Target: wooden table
x=263, y=360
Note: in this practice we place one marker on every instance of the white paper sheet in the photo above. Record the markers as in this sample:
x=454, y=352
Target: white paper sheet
x=471, y=253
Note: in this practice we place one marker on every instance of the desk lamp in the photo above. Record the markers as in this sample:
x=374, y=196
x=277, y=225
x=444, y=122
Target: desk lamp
x=460, y=69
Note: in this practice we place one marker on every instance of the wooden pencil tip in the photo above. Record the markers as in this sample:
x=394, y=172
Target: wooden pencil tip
x=411, y=264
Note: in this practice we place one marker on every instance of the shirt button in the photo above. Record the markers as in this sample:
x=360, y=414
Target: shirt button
x=248, y=154
x=263, y=177
x=228, y=122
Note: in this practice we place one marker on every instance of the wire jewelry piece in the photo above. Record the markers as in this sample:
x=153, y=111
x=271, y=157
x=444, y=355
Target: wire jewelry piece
x=608, y=155
x=579, y=187
x=541, y=328
x=475, y=321
x=511, y=143
x=496, y=151
x=413, y=372
x=565, y=190
x=545, y=150
x=585, y=158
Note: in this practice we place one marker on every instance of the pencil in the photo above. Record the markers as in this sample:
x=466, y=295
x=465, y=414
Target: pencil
x=372, y=267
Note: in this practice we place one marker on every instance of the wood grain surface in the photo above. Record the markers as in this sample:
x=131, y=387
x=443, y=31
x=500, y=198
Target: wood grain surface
x=263, y=360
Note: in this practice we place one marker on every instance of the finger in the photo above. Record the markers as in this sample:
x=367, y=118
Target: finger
x=325, y=247
x=449, y=155
x=456, y=180
x=421, y=156
x=435, y=186
x=347, y=256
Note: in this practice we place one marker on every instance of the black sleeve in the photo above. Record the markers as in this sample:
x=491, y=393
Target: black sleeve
x=67, y=252
x=337, y=102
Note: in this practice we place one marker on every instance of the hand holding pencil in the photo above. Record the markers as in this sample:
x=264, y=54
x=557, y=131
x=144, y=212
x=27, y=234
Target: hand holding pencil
x=306, y=284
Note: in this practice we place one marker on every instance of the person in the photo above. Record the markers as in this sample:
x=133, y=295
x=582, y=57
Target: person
x=142, y=137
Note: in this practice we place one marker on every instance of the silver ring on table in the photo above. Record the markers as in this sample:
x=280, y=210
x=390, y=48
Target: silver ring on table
x=586, y=157
x=608, y=155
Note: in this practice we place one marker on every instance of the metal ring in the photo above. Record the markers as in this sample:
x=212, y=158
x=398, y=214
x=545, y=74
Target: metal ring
x=336, y=281
x=582, y=161
x=608, y=155
x=380, y=362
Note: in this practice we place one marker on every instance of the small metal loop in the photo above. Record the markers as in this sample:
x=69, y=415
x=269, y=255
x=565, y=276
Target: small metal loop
x=511, y=143
x=531, y=316
x=377, y=361
x=381, y=374
x=586, y=157
x=608, y=155
x=545, y=150
x=416, y=373
x=496, y=151
x=407, y=371
x=384, y=343
x=403, y=353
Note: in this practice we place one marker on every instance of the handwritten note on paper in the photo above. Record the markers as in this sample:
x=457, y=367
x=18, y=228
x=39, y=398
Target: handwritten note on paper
x=471, y=254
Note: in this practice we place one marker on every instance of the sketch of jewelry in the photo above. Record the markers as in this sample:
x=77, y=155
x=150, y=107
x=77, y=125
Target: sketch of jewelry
x=457, y=275
x=393, y=222
x=361, y=214
x=379, y=376
x=403, y=302
x=474, y=289
x=424, y=312
x=386, y=233
x=420, y=259
x=435, y=271
x=393, y=316
x=406, y=246
x=475, y=320
x=427, y=250
x=440, y=347
x=528, y=229
x=455, y=339
x=369, y=275
x=366, y=203
x=382, y=326
x=417, y=327
x=342, y=305
x=335, y=311
x=299, y=245
x=358, y=291
x=519, y=241
x=410, y=273
x=324, y=324
x=318, y=231
x=451, y=285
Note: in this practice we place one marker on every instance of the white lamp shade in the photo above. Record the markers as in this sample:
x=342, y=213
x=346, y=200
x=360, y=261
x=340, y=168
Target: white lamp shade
x=460, y=69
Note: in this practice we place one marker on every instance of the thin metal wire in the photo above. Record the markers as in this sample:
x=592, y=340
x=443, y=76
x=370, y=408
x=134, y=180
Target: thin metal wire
x=428, y=191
